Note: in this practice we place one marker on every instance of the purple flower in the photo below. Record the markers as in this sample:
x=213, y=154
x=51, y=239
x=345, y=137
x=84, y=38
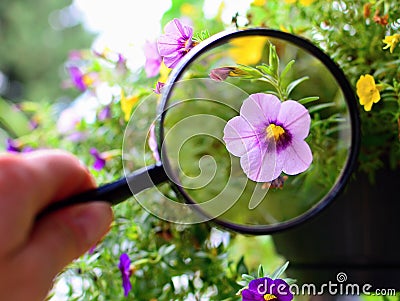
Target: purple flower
x=159, y=87
x=153, y=59
x=104, y=114
x=99, y=160
x=77, y=78
x=125, y=268
x=268, y=136
x=80, y=80
x=175, y=43
x=12, y=146
x=267, y=289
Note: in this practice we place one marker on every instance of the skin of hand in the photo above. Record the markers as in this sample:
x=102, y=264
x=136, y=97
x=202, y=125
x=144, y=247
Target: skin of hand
x=33, y=252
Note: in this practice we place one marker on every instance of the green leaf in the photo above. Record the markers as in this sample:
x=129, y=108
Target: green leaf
x=305, y=100
x=260, y=272
x=265, y=69
x=241, y=267
x=294, y=84
x=273, y=60
x=320, y=107
x=247, y=277
x=287, y=69
x=15, y=122
x=279, y=271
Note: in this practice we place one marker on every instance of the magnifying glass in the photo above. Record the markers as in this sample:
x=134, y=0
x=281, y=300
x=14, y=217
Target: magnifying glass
x=257, y=131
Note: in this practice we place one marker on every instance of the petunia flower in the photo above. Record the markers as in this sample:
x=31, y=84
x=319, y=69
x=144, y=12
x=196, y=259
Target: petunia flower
x=175, y=42
x=12, y=146
x=262, y=289
x=391, y=41
x=80, y=80
x=125, y=268
x=268, y=136
x=105, y=113
x=153, y=59
x=99, y=159
x=159, y=87
x=127, y=104
x=367, y=91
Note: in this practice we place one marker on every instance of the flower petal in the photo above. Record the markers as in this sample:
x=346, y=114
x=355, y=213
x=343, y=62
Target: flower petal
x=296, y=158
x=295, y=118
x=239, y=136
x=260, y=164
x=281, y=290
x=248, y=295
x=261, y=109
x=261, y=285
x=178, y=29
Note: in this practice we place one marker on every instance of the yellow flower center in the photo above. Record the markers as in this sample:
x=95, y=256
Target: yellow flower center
x=270, y=297
x=274, y=131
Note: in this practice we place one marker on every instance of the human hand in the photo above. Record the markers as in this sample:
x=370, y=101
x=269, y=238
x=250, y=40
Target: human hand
x=33, y=252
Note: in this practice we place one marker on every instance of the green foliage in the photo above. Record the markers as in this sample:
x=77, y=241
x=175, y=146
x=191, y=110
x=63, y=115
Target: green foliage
x=172, y=261
x=33, y=51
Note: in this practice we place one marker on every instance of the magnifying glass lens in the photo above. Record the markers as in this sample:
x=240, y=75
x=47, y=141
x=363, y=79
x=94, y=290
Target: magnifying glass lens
x=258, y=130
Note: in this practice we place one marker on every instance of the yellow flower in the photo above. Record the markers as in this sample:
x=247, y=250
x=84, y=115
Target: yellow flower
x=391, y=41
x=306, y=2
x=367, y=91
x=188, y=9
x=127, y=104
x=164, y=73
x=248, y=50
x=302, y=2
x=259, y=2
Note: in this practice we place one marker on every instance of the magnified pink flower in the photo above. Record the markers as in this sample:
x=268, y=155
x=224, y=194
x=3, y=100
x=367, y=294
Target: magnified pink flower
x=175, y=43
x=153, y=59
x=268, y=136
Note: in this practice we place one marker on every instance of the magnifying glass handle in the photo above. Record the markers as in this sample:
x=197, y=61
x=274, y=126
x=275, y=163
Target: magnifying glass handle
x=117, y=191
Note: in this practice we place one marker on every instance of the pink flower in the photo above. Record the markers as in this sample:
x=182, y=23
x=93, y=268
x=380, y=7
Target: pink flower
x=175, y=43
x=99, y=159
x=159, y=87
x=268, y=136
x=125, y=268
x=153, y=59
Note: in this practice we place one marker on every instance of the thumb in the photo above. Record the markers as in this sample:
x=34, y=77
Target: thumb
x=64, y=235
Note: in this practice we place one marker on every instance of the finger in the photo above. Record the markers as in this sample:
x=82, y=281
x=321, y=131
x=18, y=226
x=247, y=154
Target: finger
x=29, y=183
x=60, y=237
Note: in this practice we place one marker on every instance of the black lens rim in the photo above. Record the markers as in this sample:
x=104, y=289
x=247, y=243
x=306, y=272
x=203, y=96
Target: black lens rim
x=343, y=83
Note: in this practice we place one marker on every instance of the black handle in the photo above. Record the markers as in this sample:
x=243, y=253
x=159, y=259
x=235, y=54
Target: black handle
x=117, y=191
